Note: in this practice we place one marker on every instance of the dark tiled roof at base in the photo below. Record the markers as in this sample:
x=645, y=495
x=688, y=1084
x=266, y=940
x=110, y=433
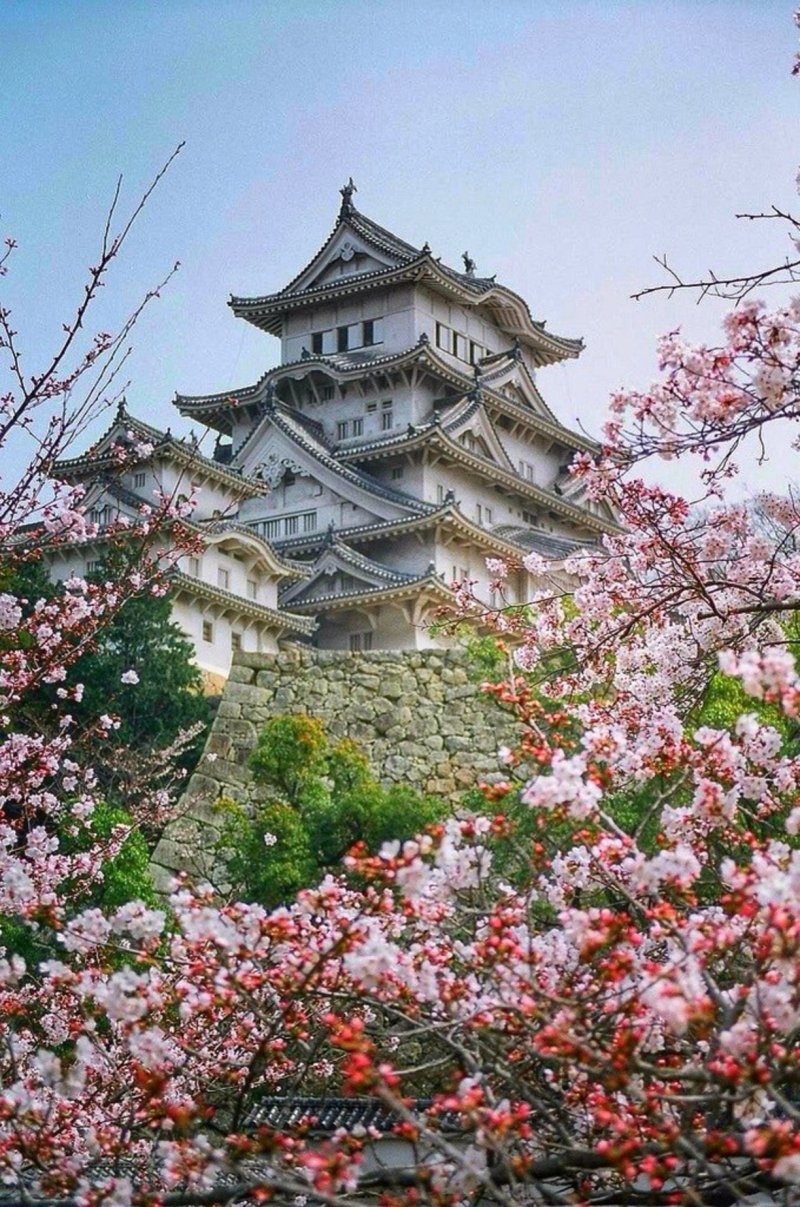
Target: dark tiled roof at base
x=359, y=562
x=392, y=591
x=547, y=544
x=325, y=1115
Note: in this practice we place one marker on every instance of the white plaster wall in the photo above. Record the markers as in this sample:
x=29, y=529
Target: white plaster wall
x=215, y=655
x=240, y=569
x=174, y=480
x=304, y=496
x=430, y=308
x=546, y=457
x=394, y=306
x=391, y=630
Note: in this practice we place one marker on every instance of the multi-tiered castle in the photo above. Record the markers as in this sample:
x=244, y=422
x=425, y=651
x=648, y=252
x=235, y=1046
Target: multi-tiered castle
x=401, y=440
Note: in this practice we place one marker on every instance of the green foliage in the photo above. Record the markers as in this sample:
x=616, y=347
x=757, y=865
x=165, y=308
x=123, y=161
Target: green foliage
x=319, y=800
x=125, y=877
x=725, y=700
x=141, y=637
x=169, y=695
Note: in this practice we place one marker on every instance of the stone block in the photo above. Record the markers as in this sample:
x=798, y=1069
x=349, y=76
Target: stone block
x=243, y=693
x=200, y=787
x=455, y=743
x=392, y=688
x=241, y=674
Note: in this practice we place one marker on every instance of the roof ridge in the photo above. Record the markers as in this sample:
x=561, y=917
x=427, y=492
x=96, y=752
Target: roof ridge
x=286, y=419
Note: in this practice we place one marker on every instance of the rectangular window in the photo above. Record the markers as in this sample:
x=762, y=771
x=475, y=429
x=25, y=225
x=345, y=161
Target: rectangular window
x=272, y=529
x=368, y=334
x=194, y=567
x=457, y=344
x=443, y=337
x=529, y=472
x=223, y=578
x=342, y=342
x=208, y=631
x=316, y=343
x=371, y=407
x=475, y=352
x=252, y=588
x=328, y=342
x=487, y=515
x=397, y=472
x=326, y=393
x=92, y=567
x=310, y=521
x=386, y=421
x=341, y=430
x=290, y=525
x=479, y=513
x=139, y=479
x=358, y=427
x=236, y=641
x=360, y=641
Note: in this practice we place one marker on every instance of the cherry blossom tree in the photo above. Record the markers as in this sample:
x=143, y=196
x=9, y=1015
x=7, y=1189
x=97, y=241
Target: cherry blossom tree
x=608, y=1015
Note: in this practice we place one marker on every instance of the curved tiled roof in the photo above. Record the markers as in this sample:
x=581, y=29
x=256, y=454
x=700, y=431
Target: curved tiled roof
x=291, y=426
x=164, y=443
x=411, y=262
x=290, y=568
x=323, y=1116
x=343, y=557
x=247, y=607
x=392, y=591
x=435, y=432
x=342, y=367
x=337, y=364
x=360, y=561
x=508, y=539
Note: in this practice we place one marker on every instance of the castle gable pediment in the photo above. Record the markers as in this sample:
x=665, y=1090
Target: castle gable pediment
x=347, y=253
x=282, y=443
x=340, y=570
x=473, y=429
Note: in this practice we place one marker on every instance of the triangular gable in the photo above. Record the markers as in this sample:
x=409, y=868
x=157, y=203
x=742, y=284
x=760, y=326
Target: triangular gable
x=114, y=499
x=477, y=433
x=339, y=570
x=514, y=382
x=573, y=490
x=273, y=449
x=346, y=253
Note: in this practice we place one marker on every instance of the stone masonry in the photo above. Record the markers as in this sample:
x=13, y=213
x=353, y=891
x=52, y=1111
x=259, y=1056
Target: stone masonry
x=419, y=715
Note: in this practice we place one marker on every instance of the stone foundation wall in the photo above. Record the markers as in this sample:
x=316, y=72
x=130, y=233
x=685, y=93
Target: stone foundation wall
x=418, y=714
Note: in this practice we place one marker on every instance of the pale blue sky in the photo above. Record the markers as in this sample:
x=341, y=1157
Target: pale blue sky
x=562, y=144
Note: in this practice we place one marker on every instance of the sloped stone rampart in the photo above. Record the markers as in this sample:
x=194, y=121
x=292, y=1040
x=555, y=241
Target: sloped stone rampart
x=419, y=716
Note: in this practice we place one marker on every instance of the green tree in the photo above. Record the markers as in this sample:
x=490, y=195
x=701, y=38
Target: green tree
x=320, y=799
x=168, y=697
x=142, y=638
